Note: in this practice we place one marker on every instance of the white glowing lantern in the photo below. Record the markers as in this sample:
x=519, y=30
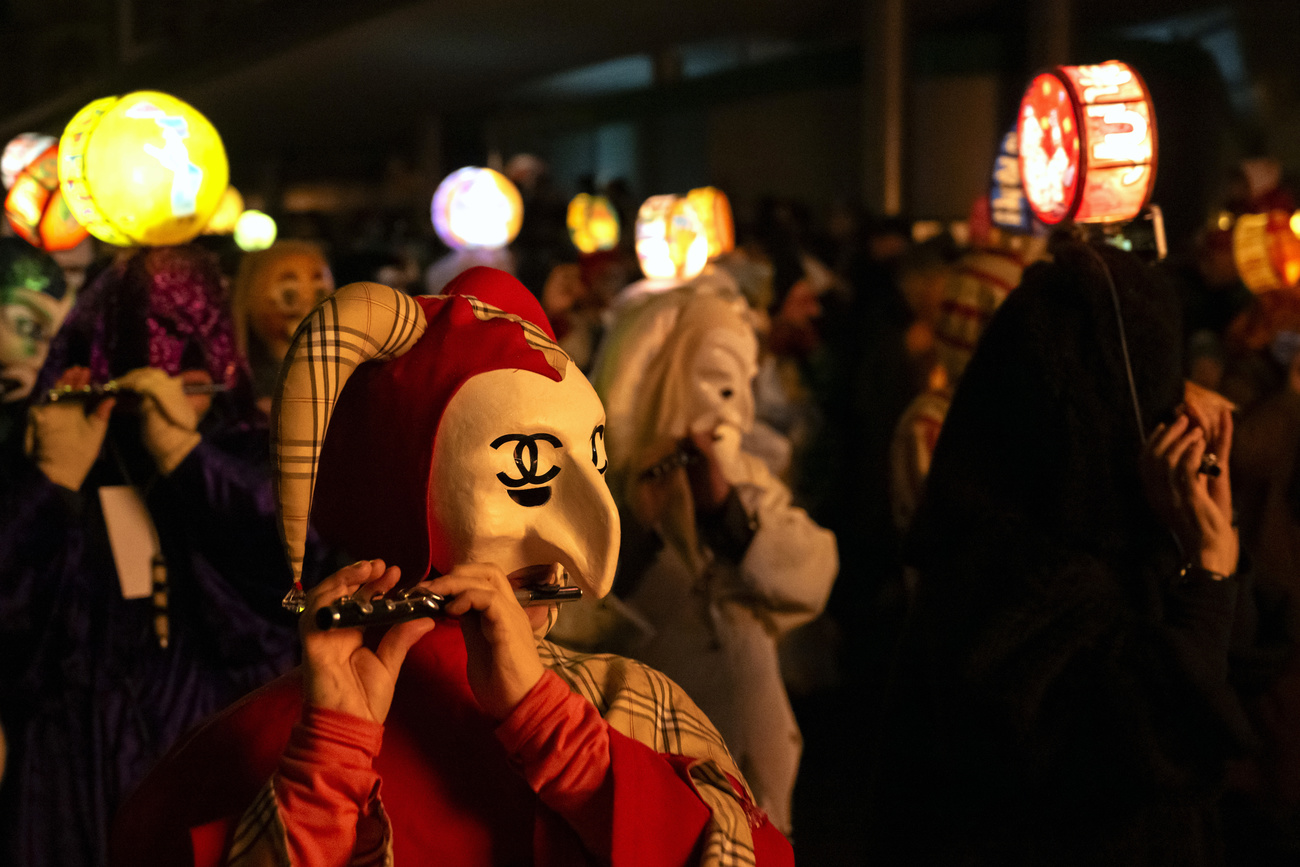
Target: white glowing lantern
x=20, y=152
x=671, y=241
x=254, y=230
x=477, y=209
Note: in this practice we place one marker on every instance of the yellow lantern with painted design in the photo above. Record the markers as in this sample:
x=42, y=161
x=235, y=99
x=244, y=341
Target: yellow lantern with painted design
x=142, y=169
x=671, y=243
x=593, y=223
x=714, y=210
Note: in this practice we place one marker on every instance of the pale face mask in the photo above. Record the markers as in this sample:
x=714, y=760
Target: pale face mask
x=518, y=477
x=291, y=287
x=721, y=382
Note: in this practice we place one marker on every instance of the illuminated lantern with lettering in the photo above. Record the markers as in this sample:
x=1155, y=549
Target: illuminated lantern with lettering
x=1008, y=207
x=477, y=209
x=714, y=210
x=671, y=243
x=20, y=152
x=1087, y=137
x=36, y=209
x=1266, y=248
x=593, y=223
x=145, y=168
x=227, y=214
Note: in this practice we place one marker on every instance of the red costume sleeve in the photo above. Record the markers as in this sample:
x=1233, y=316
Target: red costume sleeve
x=629, y=804
x=327, y=792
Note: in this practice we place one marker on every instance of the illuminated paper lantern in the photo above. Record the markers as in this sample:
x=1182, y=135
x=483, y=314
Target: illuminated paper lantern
x=20, y=152
x=1087, y=137
x=228, y=212
x=714, y=210
x=254, y=231
x=145, y=168
x=36, y=209
x=593, y=223
x=477, y=209
x=1266, y=248
x=670, y=240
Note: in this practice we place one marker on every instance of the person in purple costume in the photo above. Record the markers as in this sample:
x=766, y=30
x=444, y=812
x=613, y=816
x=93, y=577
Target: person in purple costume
x=98, y=678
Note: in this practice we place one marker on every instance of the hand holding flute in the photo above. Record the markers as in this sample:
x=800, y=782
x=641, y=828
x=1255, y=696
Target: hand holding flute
x=341, y=673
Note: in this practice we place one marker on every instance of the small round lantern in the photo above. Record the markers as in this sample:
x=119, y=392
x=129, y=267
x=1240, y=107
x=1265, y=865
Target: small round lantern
x=1087, y=137
x=670, y=240
x=20, y=152
x=229, y=209
x=714, y=210
x=145, y=168
x=477, y=209
x=1266, y=248
x=36, y=209
x=593, y=223
x=254, y=231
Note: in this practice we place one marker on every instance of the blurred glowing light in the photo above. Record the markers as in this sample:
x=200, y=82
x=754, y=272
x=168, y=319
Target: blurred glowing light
x=477, y=209
x=593, y=223
x=1087, y=140
x=36, y=209
x=145, y=168
x=714, y=210
x=1266, y=249
x=254, y=231
x=670, y=239
x=227, y=213
x=1225, y=221
x=19, y=153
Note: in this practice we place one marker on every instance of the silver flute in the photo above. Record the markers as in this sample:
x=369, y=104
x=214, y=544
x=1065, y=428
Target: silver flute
x=96, y=391
x=353, y=612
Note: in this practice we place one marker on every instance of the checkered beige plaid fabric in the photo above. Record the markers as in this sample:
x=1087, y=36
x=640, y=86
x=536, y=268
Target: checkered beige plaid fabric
x=361, y=322
x=636, y=701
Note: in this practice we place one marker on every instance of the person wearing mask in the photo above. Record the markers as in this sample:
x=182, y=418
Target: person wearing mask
x=138, y=570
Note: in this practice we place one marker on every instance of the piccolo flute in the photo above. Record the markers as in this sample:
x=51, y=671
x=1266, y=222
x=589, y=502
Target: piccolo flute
x=95, y=391
x=350, y=611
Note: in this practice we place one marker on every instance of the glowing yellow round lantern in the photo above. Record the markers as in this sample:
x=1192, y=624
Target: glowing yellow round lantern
x=145, y=168
x=670, y=239
x=593, y=223
x=227, y=214
x=254, y=231
x=1087, y=137
x=714, y=210
x=36, y=209
x=1266, y=248
x=477, y=209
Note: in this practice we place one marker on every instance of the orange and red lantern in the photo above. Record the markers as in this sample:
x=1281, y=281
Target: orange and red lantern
x=1087, y=137
x=36, y=209
x=1266, y=248
x=714, y=210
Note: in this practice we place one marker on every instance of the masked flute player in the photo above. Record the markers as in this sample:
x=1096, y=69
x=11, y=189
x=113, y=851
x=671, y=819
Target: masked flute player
x=449, y=439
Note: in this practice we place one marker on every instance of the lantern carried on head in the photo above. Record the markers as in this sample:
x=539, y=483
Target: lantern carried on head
x=593, y=223
x=227, y=214
x=20, y=152
x=36, y=209
x=1266, y=249
x=477, y=209
x=714, y=210
x=145, y=168
x=671, y=243
x=1087, y=137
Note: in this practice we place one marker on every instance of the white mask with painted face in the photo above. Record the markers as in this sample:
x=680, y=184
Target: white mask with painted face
x=721, y=381
x=517, y=476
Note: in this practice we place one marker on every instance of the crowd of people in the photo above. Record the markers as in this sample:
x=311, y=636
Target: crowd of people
x=1034, y=501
